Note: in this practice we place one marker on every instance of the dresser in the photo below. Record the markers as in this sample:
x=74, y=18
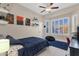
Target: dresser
x=74, y=47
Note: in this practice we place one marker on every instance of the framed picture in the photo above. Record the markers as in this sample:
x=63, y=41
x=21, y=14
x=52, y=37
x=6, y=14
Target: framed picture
x=27, y=22
x=20, y=20
x=10, y=18
x=2, y=17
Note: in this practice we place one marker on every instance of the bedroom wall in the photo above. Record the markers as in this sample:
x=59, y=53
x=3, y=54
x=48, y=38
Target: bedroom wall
x=22, y=31
x=66, y=12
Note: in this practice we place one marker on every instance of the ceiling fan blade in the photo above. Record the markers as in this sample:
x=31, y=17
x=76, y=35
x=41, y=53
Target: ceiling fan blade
x=42, y=6
x=42, y=11
x=51, y=4
x=54, y=7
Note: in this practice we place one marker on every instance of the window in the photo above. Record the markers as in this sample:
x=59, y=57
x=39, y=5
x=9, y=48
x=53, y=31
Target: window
x=59, y=26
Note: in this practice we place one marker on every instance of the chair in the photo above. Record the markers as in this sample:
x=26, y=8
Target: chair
x=68, y=40
x=68, y=50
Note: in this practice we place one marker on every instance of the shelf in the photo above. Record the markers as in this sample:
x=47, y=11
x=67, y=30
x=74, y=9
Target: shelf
x=3, y=22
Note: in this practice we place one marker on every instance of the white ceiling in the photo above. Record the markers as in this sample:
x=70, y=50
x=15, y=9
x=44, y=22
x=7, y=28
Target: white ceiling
x=35, y=6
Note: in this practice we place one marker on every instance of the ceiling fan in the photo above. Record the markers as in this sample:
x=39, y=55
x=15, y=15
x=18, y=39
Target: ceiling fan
x=48, y=8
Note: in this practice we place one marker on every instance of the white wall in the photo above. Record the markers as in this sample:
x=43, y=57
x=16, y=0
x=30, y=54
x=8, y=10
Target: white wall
x=70, y=11
x=19, y=31
x=22, y=31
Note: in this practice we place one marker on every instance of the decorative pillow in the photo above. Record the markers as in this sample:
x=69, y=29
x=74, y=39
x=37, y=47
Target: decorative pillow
x=50, y=38
x=12, y=40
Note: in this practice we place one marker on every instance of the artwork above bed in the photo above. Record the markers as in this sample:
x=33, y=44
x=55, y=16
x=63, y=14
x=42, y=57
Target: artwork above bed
x=10, y=18
x=20, y=20
x=27, y=22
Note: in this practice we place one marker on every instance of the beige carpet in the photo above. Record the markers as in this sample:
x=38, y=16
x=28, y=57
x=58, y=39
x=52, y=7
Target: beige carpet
x=52, y=51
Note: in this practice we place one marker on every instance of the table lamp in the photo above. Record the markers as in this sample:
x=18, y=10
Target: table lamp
x=4, y=45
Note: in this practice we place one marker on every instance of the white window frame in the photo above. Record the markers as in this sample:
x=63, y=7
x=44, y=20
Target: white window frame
x=59, y=26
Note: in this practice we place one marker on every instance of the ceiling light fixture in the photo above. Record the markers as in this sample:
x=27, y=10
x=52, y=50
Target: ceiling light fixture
x=48, y=9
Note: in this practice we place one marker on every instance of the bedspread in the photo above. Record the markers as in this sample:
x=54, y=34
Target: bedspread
x=33, y=45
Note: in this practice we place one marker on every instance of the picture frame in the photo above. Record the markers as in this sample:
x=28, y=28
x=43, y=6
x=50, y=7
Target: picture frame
x=27, y=22
x=10, y=18
x=20, y=20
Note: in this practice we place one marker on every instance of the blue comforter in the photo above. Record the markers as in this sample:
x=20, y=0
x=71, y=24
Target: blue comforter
x=33, y=45
x=58, y=44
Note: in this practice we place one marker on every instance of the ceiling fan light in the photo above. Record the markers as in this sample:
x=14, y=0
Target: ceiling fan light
x=48, y=9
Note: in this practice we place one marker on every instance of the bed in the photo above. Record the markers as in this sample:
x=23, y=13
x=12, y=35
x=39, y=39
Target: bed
x=31, y=45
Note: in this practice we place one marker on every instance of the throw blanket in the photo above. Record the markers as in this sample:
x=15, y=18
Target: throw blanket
x=58, y=44
x=31, y=45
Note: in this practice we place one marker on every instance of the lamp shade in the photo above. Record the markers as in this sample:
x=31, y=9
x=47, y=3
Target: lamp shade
x=4, y=45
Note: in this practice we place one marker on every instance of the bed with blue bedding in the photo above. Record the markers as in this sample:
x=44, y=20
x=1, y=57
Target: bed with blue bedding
x=31, y=45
